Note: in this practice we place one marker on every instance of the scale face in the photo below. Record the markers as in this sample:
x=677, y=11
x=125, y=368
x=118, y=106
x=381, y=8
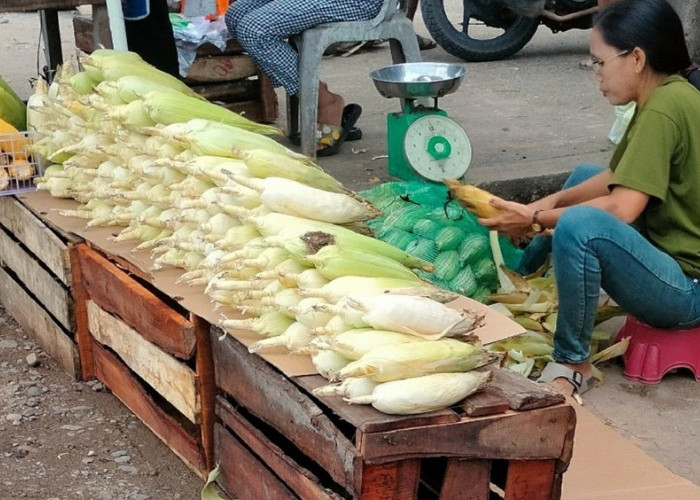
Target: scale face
x=437, y=147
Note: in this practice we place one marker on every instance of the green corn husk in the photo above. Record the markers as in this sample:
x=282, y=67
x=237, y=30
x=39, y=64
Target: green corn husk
x=414, y=359
x=447, y=265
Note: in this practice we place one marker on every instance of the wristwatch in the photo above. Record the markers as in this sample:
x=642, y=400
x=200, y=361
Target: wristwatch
x=536, y=225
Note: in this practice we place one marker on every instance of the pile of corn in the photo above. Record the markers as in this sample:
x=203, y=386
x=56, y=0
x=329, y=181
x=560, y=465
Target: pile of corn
x=420, y=219
x=277, y=243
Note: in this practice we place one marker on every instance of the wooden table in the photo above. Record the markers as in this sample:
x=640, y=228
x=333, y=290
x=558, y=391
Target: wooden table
x=50, y=31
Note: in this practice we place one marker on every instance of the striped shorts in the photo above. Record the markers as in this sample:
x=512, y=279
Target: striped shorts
x=262, y=27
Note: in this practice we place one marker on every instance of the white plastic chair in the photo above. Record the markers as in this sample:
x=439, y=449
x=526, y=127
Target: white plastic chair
x=390, y=23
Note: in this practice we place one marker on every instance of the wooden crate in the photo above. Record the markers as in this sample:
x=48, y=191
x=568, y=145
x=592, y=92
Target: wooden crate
x=152, y=354
x=275, y=440
x=35, y=281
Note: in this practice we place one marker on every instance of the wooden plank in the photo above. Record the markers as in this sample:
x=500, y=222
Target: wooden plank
x=220, y=69
x=115, y=292
x=82, y=330
x=250, y=109
x=367, y=419
x=204, y=361
x=466, y=480
x=49, y=334
x=484, y=403
x=270, y=396
x=209, y=49
x=242, y=475
x=49, y=292
x=521, y=392
x=36, y=236
x=169, y=377
x=29, y=5
x=541, y=434
x=530, y=480
x=116, y=376
x=298, y=479
x=268, y=99
x=393, y=481
x=240, y=90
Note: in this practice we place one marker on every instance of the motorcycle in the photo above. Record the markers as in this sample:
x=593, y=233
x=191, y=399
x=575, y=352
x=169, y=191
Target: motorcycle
x=489, y=30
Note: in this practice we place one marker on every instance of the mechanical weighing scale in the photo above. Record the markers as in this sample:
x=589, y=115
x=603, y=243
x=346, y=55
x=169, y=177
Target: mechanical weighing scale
x=423, y=142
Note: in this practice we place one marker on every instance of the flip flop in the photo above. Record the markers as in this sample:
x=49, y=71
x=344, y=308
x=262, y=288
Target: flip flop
x=354, y=133
x=351, y=113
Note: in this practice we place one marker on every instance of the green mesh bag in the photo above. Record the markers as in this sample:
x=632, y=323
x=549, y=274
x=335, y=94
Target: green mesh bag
x=422, y=248
x=394, y=236
x=406, y=217
x=447, y=265
x=427, y=228
x=473, y=248
x=464, y=282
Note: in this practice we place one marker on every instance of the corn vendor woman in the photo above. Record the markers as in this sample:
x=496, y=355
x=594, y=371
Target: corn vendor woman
x=262, y=27
x=632, y=229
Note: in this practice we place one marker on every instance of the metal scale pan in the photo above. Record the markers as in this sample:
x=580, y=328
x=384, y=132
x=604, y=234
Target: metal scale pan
x=423, y=142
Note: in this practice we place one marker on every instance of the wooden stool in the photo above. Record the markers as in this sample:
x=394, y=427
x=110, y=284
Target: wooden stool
x=653, y=352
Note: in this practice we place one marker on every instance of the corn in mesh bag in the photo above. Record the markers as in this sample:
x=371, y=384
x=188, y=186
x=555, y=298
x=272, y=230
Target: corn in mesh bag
x=418, y=218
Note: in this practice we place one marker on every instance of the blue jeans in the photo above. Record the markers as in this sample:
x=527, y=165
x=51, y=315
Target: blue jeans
x=592, y=249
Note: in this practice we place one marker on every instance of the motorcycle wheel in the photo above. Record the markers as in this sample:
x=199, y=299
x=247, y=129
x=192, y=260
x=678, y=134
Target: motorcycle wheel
x=486, y=31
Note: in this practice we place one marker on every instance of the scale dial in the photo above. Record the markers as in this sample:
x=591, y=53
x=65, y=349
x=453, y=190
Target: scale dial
x=437, y=148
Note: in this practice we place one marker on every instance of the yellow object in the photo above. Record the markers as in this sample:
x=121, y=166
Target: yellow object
x=13, y=142
x=474, y=199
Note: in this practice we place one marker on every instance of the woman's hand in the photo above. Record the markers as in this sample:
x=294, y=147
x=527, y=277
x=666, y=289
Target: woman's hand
x=515, y=221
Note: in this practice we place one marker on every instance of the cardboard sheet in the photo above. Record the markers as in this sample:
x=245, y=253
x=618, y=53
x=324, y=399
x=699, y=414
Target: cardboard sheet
x=606, y=466
x=495, y=327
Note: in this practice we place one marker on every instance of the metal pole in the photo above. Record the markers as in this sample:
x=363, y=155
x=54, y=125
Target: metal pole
x=116, y=24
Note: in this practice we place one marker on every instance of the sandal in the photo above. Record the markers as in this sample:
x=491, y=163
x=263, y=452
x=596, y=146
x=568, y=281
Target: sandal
x=555, y=370
x=351, y=113
x=425, y=43
x=354, y=133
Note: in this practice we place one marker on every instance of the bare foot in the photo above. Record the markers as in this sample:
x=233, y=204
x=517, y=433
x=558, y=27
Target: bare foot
x=330, y=106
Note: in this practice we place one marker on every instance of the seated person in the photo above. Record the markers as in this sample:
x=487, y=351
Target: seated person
x=632, y=228
x=262, y=27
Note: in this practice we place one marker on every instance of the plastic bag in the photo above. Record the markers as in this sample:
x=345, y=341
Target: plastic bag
x=623, y=117
x=190, y=33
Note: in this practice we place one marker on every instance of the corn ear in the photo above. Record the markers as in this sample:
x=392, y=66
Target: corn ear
x=474, y=199
x=423, y=394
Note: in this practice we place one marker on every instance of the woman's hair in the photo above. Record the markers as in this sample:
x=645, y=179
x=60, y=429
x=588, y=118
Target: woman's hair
x=651, y=25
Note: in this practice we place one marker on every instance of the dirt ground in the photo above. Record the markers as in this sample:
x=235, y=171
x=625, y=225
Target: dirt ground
x=534, y=114
x=68, y=440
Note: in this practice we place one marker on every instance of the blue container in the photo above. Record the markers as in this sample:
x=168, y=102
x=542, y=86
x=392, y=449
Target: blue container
x=135, y=10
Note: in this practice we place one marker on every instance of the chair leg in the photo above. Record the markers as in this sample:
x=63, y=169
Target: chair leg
x=309, y=70
x=292, y=114
x=406, y=36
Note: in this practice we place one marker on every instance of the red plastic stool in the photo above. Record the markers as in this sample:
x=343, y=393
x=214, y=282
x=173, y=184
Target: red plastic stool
x=653, y=352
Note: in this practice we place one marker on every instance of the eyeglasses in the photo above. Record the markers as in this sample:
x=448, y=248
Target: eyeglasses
x=598, y=63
